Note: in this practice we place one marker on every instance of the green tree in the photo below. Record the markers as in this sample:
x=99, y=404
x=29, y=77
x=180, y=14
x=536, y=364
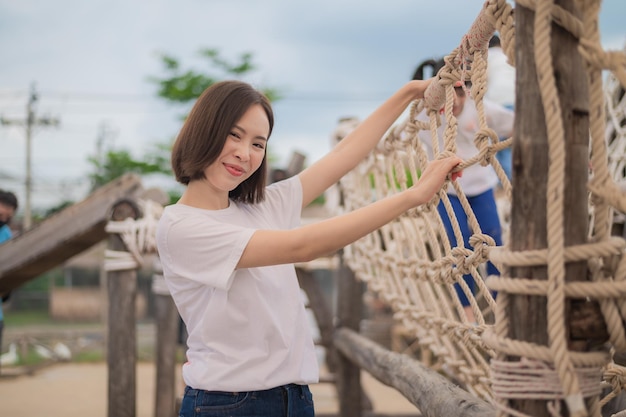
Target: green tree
x=178, y=86
x=183, y=86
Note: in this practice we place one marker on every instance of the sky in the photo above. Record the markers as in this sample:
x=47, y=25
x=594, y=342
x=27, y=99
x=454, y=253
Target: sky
x=90, y=63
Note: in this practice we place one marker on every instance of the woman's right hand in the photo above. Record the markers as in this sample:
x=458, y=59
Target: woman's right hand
x=433, y=177
x=420, y=87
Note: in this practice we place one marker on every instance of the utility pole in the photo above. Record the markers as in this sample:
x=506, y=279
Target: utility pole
x=30, y=122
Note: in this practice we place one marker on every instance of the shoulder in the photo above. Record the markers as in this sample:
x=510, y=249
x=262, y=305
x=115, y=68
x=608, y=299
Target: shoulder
x=496, y=108
x=285, y=192
x=184, y=226
x=288, y=185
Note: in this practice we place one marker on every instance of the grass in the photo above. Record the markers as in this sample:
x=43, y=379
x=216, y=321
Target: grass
x=29, y=327
x=33, y=321
x=27, y=318
x=40, y=318
x=89, y=356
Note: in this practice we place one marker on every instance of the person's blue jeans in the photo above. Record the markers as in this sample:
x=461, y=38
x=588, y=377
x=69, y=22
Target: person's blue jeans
x=486, y=212
x=285, y=401
x=505, y=157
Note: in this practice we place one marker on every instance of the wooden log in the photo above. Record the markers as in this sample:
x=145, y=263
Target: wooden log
x=122, y=337
x=349, y=315
x=166, y=317
x=530, y=172
x=430, y=392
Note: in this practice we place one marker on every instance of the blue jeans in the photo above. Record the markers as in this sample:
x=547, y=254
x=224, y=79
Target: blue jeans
x=486, y=212
x=505, y=157
x=285, y=401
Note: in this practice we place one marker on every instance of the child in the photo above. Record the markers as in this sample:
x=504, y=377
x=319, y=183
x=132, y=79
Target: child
x=478, y=182
x=228, y=248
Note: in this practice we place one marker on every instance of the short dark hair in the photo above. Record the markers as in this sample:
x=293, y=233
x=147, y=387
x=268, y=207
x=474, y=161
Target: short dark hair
x=202, y=137
x=494, y=41
x=434, y=63
x=8, y=199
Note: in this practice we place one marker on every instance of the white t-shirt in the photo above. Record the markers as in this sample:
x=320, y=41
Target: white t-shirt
x=500, y=78
x=248, y=329
x=476, y=179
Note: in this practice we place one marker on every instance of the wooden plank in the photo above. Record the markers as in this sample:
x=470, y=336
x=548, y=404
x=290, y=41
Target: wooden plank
x=62, y=235
x=429, y=391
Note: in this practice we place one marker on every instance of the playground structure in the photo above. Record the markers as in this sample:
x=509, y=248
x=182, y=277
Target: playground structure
x=62, y=235
x=531, y=352
x=528, y=353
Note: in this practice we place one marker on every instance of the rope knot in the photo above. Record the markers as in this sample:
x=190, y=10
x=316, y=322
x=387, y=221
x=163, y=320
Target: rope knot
x=484, y=140
x=481, y=243
x=446, y=154
x=461, y=256
x=615, y=375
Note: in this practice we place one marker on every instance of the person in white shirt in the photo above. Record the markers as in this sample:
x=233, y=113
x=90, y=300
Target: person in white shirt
x=478, y=182
x=228, y=246
x=501, y=90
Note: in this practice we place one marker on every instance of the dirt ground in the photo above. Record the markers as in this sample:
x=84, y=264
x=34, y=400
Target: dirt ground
x=79, y=390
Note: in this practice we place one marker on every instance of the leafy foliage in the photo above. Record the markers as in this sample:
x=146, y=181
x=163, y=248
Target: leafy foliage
x=117, y=163
x=183, y=86
x=178, y=86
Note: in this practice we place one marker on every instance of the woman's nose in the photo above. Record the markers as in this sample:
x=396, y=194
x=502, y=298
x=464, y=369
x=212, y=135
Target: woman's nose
x=242, y=152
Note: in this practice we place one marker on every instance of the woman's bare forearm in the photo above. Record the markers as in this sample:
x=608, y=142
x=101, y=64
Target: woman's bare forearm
x=271, y=247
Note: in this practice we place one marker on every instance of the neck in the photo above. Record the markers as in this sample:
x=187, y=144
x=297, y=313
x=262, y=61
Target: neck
x=200, y=195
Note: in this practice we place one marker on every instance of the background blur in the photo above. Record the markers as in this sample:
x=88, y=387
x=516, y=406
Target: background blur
x=89, y=63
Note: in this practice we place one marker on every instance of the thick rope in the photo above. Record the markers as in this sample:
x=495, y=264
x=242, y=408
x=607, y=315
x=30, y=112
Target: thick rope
x=139, y=236
x=411, y=265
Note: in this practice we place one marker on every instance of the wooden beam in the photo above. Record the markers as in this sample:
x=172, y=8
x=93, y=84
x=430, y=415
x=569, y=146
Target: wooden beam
x=430, y=392
x=62, y=235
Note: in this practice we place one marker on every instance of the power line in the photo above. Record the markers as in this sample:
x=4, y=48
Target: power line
x=29, y=123
x=336, y=96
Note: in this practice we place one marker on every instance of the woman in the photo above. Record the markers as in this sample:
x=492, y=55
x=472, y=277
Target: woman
x=228, y=248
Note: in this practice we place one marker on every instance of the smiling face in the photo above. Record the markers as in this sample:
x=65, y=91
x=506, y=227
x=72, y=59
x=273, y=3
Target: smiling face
x=243, y=151
x=227, y=113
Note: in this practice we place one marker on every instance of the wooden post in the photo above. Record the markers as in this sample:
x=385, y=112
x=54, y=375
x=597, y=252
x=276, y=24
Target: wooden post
x=122, y=338
x=296, y=164
x=349, y=315
x=166, y=317
x=530, y=168
x=167, y=328
x=322, y=312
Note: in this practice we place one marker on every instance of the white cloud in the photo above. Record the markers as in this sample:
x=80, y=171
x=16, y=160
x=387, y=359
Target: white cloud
x=91, y=59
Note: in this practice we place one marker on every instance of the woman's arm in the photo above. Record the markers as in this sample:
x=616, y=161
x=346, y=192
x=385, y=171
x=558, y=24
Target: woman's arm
x=358, y=144
x=272, y=247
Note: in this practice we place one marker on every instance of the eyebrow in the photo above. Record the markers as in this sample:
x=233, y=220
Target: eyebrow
x=244, y=131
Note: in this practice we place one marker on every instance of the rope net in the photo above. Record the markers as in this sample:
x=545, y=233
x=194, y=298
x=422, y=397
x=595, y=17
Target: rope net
x=411, y=265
